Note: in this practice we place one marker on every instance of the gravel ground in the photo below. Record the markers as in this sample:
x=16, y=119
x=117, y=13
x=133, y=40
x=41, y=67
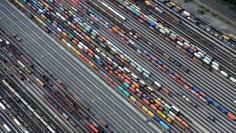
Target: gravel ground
x=222, y=26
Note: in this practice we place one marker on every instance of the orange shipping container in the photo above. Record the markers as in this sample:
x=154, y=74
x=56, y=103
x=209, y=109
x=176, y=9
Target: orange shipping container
x=114, y=29
x=43, y=17
x=87, y=38
x=146, y=101
x=185, y=124
x=153, y=107
x=90, y=55
x=110, y=72
x=64, y=34
x=165, y=90
x=139, y=104
x=90, y=51
x=127, y=77
x=136, y=85
x=86, y=59
x=106, y=68
x=103, y=38
x=127, y=81
x=157, y=102
x=73, y=26
x=74, y=42
x=82, y=56
x=179, y=124
x=178, y=119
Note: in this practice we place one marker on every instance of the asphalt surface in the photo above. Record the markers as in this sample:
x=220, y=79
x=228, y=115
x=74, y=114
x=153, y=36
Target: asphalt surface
x=103, y=99
x=121, y=114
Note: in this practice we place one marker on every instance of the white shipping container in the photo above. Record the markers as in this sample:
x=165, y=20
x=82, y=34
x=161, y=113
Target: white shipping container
x=201, y=54
x=185, y=14
x=224, y=73
x=142, y=82
x=162, y=31
x=157, y=84
x=68, y=44
x=134, y=76
x=146, y=75
x=232, y=79
x=167, y=30
x=180, y=43
x=172, y=114
x=150, y=88
x=175, y=108
x=127, y=70
x=186, y=44
x=197, y=55
x=215, y=67
x=98, y=50
x=6, y=127
x=2, y=106
x=215, y=63
x=16, y=121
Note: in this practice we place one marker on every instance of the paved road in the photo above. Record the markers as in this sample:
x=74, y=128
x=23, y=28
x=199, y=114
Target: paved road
x=84, y=83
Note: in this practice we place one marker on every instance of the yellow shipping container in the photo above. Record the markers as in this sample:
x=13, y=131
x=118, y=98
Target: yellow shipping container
x=147, y=2
x=28, y=70
x=173, y=4
x=157, y=102
x=91, y=63
x=150, y=113
x=63, y=40
x=73, y=50
x=133, y=99
x=161, y=114
x=133, y=86
x=170, y=117
x=145, y=109
x=46, y=5
x=77, y=53
x=168, y=120
x=17, y=2
x=226, y=37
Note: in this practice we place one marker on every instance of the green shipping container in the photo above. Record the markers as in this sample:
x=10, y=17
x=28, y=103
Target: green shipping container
x=126, y=93
x=165, y=112
x=120, y=88
x=49, y=21
x=126, y=85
